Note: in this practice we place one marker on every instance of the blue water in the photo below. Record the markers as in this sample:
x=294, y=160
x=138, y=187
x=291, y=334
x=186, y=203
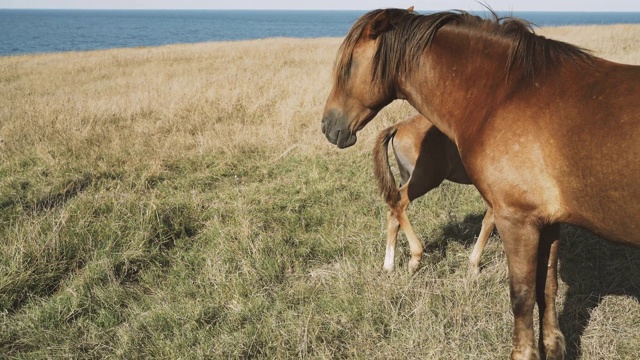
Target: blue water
x=36, y=31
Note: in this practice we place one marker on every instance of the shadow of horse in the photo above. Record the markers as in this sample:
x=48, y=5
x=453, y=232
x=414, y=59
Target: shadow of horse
x=464, y=232
x=590, y=267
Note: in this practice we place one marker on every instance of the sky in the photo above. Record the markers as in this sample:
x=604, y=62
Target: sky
x=469, y=5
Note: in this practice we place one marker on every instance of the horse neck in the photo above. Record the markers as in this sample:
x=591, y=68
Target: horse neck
x=459, y=80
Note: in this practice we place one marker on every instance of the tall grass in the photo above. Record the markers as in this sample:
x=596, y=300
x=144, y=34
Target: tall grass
x=181, y=202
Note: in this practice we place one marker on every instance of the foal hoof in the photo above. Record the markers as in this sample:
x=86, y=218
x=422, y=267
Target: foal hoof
x=474, y=269
x=413, y=266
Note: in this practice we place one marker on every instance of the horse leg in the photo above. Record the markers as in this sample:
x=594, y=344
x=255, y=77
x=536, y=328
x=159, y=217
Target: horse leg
x=520, y=239
x=551, y=339
x=487, y=227
x=393, y=225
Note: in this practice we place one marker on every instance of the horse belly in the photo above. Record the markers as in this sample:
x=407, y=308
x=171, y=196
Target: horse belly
x=607, y=205
x=599, y=182
x=550, y=185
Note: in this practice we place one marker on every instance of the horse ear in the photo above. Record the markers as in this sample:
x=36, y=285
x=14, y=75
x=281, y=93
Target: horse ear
x=410, y=9
x=379, y=25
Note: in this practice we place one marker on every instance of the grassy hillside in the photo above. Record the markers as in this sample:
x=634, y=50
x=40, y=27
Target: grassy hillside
x=181, y=202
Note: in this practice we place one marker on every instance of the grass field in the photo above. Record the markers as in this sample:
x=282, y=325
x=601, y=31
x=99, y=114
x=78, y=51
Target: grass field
x=181, y=202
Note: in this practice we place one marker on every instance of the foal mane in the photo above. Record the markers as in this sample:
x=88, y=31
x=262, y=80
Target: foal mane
x=412, y=33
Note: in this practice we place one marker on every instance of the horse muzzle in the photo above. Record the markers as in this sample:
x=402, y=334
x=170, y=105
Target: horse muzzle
x=335, y=131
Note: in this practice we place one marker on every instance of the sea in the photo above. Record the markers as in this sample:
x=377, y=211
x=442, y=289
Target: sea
x=41, y=31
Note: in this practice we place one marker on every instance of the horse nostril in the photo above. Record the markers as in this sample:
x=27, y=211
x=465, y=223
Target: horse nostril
x=324, y=125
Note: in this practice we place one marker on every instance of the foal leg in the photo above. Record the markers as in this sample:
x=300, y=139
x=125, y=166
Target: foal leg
x=393, y=225
x=551, y=339
x=415, y=245
x=488, y=224
x=520, y=239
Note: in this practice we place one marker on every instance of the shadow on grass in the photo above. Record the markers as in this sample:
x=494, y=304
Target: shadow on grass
x=591, y=267
x=464, y=232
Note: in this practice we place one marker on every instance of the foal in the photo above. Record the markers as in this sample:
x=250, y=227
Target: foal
x=426, y=157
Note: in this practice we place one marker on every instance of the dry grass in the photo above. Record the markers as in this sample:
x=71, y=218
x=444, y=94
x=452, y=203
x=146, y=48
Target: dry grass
x=181, y=201
x=613, y=42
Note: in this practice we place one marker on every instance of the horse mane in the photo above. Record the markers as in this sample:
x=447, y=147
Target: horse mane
x=529, y=53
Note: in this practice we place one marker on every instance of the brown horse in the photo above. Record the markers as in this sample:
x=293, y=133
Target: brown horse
x=547, y=132
x=425, y=157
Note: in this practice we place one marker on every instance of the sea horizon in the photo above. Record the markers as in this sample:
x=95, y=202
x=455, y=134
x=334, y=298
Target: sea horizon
x=28, y=31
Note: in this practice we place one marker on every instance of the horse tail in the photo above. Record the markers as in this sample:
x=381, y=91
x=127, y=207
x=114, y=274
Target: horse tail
x=382, y=168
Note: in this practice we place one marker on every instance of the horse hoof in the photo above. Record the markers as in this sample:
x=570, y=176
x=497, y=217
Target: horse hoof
x=529, y=353
x=554, y=345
